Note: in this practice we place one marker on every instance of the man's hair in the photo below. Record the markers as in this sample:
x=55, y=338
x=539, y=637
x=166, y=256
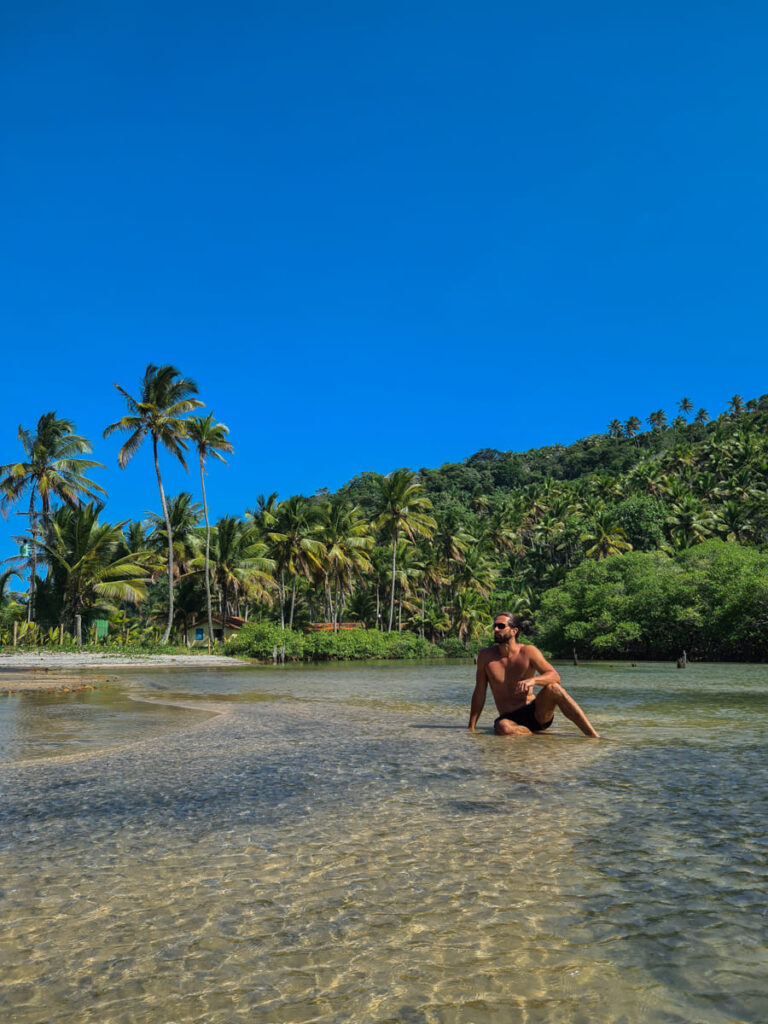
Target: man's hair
x=518, y=622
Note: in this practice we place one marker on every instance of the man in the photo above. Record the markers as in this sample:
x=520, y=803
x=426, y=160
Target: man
x=511, y=670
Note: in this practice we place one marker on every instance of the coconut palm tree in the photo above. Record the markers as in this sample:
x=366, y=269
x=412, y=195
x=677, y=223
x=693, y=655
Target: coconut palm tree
x=658, y=419
x=685, y=405
x=615, y=429
x=239, y=564
x=702, y=416
x=736, y=405
x=403, y=508
x=348, y=541
x=295, y=545
x=89, y=563
x=605, y=537
x=632, y=426
x=165, y=398
x=52, y=469
x=210, y=439
x=184, y=514
x=689, y=522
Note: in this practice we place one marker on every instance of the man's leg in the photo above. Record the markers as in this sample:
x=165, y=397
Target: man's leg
x=554, y=696
x=505, y=727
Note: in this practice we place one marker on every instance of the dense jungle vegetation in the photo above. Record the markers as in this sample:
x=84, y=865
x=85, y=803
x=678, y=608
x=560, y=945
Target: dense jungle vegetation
x=632, y=543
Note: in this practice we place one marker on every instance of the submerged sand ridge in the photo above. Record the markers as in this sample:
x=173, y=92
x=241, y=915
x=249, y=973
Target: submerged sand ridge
x=52, y=671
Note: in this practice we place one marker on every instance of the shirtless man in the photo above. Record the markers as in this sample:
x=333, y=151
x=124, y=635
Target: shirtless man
x=511, y=670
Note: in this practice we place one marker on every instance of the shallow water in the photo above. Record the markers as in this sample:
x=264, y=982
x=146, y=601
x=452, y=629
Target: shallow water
x=333, y=845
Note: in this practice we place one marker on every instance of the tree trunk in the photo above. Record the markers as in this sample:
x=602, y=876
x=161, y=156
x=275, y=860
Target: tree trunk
x=281, y=589
x=33, y=534
x=167, y=634
x=293, y=602
x=207, y=551
x=392, y=594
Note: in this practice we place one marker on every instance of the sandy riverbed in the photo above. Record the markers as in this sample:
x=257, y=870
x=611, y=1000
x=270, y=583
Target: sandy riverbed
x=71, y=670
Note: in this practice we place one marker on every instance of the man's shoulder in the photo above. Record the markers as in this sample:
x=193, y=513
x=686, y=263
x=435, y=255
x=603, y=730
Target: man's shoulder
x=487, y=652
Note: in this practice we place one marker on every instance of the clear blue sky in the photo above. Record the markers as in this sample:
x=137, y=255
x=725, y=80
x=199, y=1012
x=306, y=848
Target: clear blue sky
x=382, y=233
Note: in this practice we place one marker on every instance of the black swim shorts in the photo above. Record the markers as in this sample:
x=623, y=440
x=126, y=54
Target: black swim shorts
x=526, y=716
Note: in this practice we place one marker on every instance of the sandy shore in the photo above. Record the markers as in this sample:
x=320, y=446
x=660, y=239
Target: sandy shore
x=57, y=671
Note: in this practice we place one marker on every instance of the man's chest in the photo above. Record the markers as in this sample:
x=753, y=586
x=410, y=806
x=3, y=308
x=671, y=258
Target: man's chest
x=507, y=670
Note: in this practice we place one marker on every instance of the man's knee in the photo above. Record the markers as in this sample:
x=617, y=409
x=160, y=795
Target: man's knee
x=507, y=728
x=554, y=690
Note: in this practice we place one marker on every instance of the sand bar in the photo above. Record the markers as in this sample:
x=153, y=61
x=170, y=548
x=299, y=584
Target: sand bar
x=24, y=671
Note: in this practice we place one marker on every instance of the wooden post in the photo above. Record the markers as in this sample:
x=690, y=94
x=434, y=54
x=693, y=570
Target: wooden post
x=61, y=634
x=79, y=630
x=15, y=632
x=575, y=657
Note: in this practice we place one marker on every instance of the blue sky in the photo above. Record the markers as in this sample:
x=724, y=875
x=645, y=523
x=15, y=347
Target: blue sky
x=379, y=234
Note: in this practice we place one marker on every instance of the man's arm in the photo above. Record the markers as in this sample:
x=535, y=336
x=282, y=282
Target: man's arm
x=546, y=674
x=478, y=695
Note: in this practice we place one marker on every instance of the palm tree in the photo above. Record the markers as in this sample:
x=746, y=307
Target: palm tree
x=689, y=522
x=736, y=405
x=658, y=419
x=184, y=515
x=295, y=545
x=605, y=536
x=239, y=564
x=702, y=416
x=89, y=563
x=52, y=469
x=402, y=507
x=685, y=405
x=210, y=438
x=165, y=398
x=632, y=426
x=615, y=429
x=348, y=541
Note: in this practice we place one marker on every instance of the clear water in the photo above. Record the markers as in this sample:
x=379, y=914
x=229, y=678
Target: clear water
x=331, y=844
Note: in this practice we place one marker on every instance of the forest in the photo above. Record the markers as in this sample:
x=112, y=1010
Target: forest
x=639, y=542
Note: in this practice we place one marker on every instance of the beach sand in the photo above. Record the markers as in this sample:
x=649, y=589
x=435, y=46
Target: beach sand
x=57, y=671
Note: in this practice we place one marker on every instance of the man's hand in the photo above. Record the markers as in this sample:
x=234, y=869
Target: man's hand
x=522, y=687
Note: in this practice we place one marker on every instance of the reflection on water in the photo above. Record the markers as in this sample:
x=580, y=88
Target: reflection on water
x=349, y=852
x=35, y=725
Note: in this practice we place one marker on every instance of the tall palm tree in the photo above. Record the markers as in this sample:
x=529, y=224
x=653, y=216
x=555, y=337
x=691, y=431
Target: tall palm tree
x=165, y=398
x=403, y=507
x=702, y=416
x=685, y=405
x=632, y=426
x=52, y=469
x=736, y=405
x=210, y=439
x=658, y=419
x=615, y=429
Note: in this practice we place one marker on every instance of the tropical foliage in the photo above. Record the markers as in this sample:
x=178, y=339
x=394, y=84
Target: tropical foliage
x=633, y=542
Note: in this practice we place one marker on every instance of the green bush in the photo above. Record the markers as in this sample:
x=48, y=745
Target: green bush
x=452, y=647
x=259, y=640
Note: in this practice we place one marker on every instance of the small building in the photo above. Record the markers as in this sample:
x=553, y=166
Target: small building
x=224, y=627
